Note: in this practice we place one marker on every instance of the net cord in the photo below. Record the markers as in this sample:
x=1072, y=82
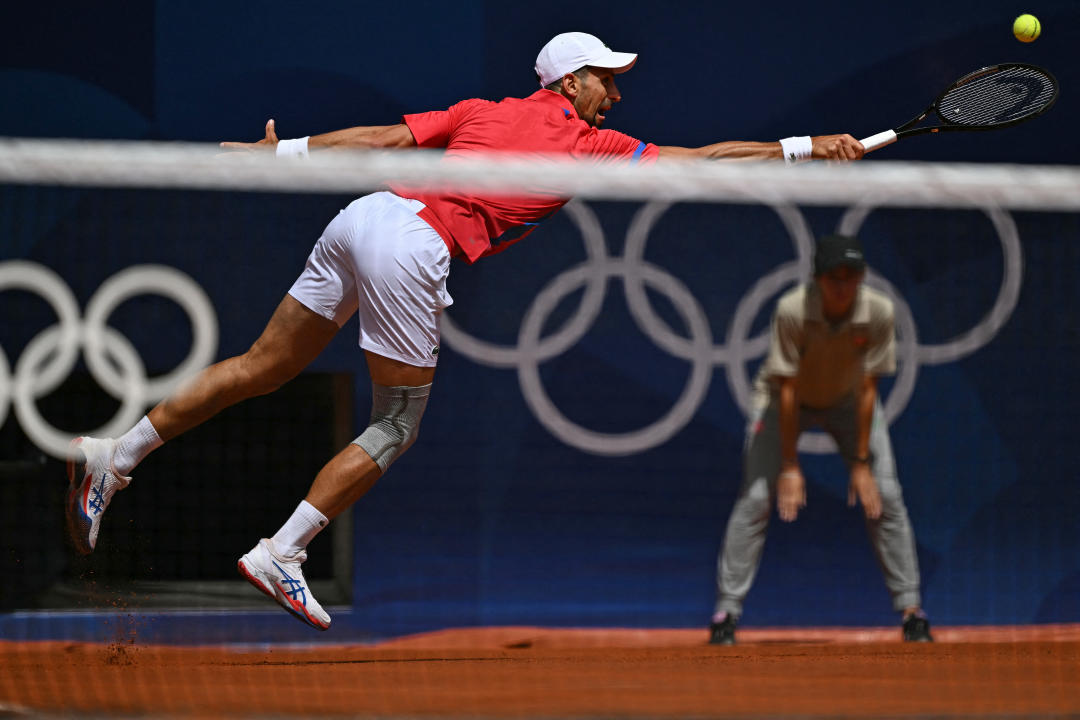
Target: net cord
x=195, y=166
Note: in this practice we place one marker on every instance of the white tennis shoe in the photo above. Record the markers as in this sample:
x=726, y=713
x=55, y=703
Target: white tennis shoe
x=281, y=578
x=92, y=482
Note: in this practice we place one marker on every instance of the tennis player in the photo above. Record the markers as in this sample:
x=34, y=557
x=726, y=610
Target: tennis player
x=386, y=257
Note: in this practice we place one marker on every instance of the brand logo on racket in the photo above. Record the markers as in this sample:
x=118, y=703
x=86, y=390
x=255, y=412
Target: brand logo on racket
x=1027, y=88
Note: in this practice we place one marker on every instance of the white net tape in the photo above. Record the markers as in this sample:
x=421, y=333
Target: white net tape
x=203, y=166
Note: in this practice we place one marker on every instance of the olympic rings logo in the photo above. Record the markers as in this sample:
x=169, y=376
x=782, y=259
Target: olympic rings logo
x=699, y=349
x=114, y=363
x=112, y=360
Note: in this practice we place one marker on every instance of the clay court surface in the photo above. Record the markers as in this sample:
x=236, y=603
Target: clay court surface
x=533, y=672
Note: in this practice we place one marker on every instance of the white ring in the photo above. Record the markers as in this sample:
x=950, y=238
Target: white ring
x=570, y=333
x=150, y=280
x=24, y=275
x=615, y=443
x=45, y=436
x=114, y=363
x=5, y=387
x=1004, y=305
x=657, y=330
x=745, y=312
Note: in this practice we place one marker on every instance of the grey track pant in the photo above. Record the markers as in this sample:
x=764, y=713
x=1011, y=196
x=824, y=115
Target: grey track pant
x=891, y=535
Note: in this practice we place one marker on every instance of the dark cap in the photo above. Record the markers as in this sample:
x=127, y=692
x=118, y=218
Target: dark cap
x=834, y=251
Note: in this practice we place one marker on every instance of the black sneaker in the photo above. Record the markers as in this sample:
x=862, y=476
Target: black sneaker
x=723, y=633
x=917, y=629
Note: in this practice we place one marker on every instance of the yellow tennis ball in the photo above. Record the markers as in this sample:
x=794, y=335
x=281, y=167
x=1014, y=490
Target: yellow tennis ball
x=1026, y=28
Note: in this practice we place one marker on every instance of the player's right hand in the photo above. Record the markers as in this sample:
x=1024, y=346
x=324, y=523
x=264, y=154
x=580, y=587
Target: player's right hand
x=841, y=147
x=269, y=141
x=790, y=493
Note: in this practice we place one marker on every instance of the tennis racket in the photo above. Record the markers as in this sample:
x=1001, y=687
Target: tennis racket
x=994, y=97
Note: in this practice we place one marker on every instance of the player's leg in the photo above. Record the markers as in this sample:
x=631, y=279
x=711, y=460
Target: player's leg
x=891, y=534
x=319, y=302
x=99, y=467
x=294, y=336
x=400, y=266
x=401, y=392
x=273, y=565
x=744, y=538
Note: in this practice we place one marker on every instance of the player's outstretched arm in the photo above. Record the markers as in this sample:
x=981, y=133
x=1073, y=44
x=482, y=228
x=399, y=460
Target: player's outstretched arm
x=842, y=147
x=361, y=136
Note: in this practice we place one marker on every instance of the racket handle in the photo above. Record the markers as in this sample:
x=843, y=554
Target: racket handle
x=881, y=139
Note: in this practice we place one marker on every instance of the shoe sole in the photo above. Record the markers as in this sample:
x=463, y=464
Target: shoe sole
x=78, y=524
x=261, y=587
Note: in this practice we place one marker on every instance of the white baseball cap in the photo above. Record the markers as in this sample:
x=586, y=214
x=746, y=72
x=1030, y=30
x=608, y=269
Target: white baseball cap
x=571, y=51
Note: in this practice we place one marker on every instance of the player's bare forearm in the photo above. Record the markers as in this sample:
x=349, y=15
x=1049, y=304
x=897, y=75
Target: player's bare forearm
x=730, y=150
x=348, y=137
x=359, y=137
x=365, y=137
x=840, y=147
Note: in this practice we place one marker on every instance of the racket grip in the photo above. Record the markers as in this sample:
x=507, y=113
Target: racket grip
x=881, y=139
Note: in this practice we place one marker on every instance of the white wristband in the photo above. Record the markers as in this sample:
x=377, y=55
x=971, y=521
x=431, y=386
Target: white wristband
x=797, y=149
x=292, y=148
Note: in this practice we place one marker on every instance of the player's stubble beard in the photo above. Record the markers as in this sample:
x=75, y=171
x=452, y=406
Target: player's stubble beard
x=595, y=118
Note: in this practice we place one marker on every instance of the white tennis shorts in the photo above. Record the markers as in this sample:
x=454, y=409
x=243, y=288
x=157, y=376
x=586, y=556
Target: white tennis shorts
x=377, y=257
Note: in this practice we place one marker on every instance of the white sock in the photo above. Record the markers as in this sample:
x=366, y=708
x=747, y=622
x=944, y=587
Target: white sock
x=134, y=445
x=298, y=530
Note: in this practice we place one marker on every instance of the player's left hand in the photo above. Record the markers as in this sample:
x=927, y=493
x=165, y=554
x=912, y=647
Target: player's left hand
x=269, y=141
x=841, y=147
x=864, y=487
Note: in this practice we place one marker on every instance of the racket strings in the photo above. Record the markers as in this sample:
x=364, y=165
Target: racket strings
x=1000, y=97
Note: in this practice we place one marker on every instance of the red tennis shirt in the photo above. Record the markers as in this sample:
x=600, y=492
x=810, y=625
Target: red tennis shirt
x=543, y=124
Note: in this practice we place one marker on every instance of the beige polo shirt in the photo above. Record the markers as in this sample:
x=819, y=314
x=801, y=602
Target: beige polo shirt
x=828, y=359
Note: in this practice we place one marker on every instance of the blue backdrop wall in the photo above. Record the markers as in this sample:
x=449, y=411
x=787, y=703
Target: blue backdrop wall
x=491, y=518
